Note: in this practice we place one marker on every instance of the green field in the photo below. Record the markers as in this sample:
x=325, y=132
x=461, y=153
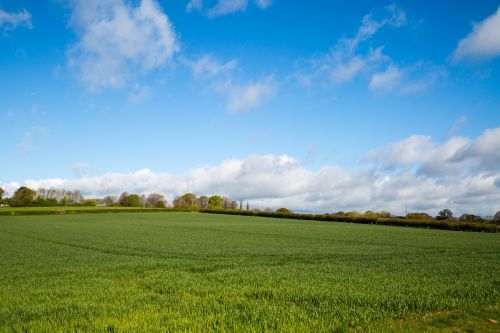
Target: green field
x=202, y=272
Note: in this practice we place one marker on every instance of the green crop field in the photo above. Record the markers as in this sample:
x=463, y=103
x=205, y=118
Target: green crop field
x=201, y=272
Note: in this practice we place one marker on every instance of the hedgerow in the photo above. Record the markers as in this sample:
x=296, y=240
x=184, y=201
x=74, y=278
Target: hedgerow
x=402, y=222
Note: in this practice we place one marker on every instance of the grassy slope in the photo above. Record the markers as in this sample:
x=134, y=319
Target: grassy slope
x=200, y=272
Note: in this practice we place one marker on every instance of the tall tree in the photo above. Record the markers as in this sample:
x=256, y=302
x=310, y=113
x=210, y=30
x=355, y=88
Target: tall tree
x=109, y=200
x=203, y=201
x=215, y=202
x=23, y=197
x=445, y=214
x=156, y=200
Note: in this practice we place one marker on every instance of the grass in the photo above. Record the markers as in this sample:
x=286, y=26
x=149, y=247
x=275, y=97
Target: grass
x=202, y=272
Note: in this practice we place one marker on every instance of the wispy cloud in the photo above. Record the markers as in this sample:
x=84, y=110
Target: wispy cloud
x=406, y=80
x=247, y=96
x=357, y=57
x=345, y=61
x=482, y=43
x=206, y=66
x=10, y=21
x=224, y=7
x=241, y=95
x=119, y=41
x=26, y=144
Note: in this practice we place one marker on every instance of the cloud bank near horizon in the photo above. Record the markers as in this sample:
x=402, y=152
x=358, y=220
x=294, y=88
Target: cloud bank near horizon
x=417, y=173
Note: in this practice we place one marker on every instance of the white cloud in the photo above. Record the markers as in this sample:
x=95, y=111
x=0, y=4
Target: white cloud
x=483, y=42
x=346, y=61
x=280, y=180
x=484, y=152
x=206, y=66
x=387, y=79
x=80, y=168
x=350, y=58
x=247, y=96
x=139, y=94
x=241, y=95
x=224, y=7
x=119, y=41
x=406, y=80
x=9, y=21
x=35, y=133
x=263, y=4
x=194, y=5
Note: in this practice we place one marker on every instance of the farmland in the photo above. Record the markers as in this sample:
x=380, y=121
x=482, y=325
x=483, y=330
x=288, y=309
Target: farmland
x=202, y=272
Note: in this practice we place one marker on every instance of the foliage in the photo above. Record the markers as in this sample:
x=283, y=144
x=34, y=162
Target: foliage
x=188, y=201
x=130, y=200
x=360, y=218
x=215, y=202
x=90, y=203
x=445, y=214
x=23, y=197
x=419, y=216
x=156, y=200
x=109, y=200
x=496, y=218
x=203, y=201
x=283, y=210
x=471, y=218
x=199, y=272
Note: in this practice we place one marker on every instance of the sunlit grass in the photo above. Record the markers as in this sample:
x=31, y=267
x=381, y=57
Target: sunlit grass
x=201, y=272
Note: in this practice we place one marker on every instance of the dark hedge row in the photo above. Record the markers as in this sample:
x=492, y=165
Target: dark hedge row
x=402, y=222
x=85, y=211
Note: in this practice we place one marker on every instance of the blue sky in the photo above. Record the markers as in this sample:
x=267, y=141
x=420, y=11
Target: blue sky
x=241, y=97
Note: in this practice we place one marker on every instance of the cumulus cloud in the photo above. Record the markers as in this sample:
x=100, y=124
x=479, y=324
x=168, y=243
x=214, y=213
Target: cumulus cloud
x=482, y=43
x=119, y=41
x=425, y=176
x=224, y=7
x=9, y=21
x=484, y=152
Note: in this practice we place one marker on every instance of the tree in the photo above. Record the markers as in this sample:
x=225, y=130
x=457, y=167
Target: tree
x=156, y=200
x=445, y=214
x=109, y=200
x=23, y=197
x=283, y=210
x=470, y=218
x=215, y=202
x=228, y=203
x=203, y=201
x=130, y=200
x=187, y=201
x=123, y=199
x=2, y=192
x=496, y=218
x=418, y=216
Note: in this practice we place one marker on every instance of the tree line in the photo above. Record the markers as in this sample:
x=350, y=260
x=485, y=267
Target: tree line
x=27, y=197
